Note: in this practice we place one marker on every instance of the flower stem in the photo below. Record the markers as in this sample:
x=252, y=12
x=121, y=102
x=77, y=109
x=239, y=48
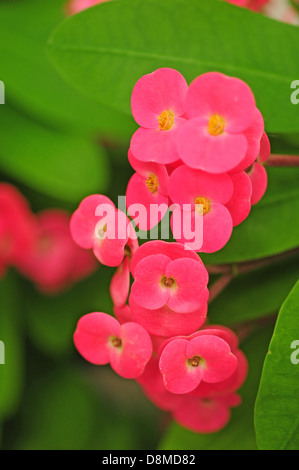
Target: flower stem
x=282, y=160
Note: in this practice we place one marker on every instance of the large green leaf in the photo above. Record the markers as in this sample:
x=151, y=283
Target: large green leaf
x=239, y=433
x=11, y=373
x=31, y=81
x=255, y=294
x=55, y=163
x=105, y=50
x=277, y=405
x=272, y=225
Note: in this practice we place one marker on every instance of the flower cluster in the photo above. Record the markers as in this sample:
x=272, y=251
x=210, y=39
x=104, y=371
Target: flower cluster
x=200, y=148
x=39, y=246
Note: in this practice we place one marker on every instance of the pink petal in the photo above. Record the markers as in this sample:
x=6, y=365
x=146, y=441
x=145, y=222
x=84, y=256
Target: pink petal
x=259, y=180
x=155, y=247
x=156, y=145
x=166, y=322
x=239, y=205
x=84, y=220
x=265, y=149
x=92, y=336
x=214, y=154
x=147, y=289
x=162, y=90
x=202, y=415
x=220, y=363
x=130, y=359
x=217, y=188
x=231, y=98
x=138, y=194
x=178, y=377
x=120, y=284
x=191, y=278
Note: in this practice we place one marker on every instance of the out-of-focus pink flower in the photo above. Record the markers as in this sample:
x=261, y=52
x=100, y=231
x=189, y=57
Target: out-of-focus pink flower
x=205, y=415
x=75, y=6
x=54, y=261
x=152, y=384
x=219, y=109
x=101, y=339
x=185, y=362
x=99, y=226
x=158, y=103
x=205, y=196
x=18, y=228
x=255, y=5
x=147, y=187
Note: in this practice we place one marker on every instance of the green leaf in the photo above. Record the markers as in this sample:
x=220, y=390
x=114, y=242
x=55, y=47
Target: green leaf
x=277, y=406
x=11, y=373
x=239, y=433
x=31, y=81
x=255, y=294
x=55, y=163
x=272, y=226
x=128, y=39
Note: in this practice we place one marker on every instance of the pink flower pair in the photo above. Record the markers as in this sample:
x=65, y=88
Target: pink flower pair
x=211, y=125
x=206, y=408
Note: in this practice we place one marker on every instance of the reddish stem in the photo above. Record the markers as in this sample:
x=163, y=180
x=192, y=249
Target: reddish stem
x=282, y=160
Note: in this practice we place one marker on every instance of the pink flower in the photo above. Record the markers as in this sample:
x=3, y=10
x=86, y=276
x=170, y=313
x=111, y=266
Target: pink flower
x=257, y=172
x=99, y=226
x=54, y=262
x=152, y=384
x=75, y=6
x=158, y=103
x=178, y=284
x=147, y=187
x=239, y=204
x=220, y=109
x=157, y=247
x=100, y=339
x=166, y=322
x=120, y=282
x=205, y=415
x=205, y=196
x=18, y=228
x=185, y=362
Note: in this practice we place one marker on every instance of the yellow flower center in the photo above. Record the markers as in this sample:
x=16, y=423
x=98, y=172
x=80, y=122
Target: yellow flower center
x=100, y=232
x=152, y=183
x=168, y=282
x=116, y=342
x=202, y=205
x=166, y=120
x=196, y=361
x=216, y=125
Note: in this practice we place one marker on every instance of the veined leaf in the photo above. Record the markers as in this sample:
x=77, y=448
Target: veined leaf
x=106, y=49
x=277, y=405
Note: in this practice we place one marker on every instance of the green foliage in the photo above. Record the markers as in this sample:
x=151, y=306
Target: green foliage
x=277, y=406
x=192, y=37
x=52, y=162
